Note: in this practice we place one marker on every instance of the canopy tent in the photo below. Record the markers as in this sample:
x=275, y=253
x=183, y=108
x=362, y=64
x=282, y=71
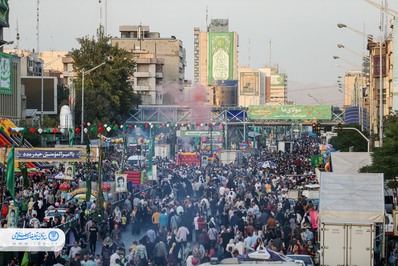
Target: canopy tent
x=267, y=164
x=351, y=162
x=351, y=198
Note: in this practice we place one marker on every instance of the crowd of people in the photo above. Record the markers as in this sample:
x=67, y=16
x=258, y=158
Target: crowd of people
x=191, y=215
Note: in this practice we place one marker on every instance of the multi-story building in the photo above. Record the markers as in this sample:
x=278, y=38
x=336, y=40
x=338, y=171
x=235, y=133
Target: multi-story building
x=170, y=50
x=354, y=83
x=147, y=79
x=215, y=54
x=380, y=97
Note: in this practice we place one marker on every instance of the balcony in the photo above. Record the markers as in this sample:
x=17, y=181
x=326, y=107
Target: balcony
x=143, y=75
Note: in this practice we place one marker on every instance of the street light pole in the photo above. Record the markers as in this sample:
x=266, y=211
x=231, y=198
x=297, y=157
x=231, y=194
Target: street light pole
x=353, y=128
x=82, y=120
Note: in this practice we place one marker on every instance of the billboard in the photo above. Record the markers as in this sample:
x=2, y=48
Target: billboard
x=249, y=83
x=5, y=73
x=199, y=133
x=33, y=94
x=278, y=80
x=50, y=155
x=220, y=56
x=290, y=112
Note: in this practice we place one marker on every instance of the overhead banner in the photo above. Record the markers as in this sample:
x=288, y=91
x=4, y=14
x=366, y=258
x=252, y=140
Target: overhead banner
x=31, y=239
x=290, y=112
x=50, y=155
x=199, y=133
x=5, y=73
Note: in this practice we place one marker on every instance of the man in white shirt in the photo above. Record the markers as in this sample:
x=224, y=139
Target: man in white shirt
x=74, y=250
x=182, y=234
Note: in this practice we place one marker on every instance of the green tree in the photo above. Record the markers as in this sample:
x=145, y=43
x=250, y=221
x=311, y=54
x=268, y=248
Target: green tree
x=385, y=158
x=350, y=138
x=108, y=94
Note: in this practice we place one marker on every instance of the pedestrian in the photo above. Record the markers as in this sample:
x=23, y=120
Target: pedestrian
x=93, y=236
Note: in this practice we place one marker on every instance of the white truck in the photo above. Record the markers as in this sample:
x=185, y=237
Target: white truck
x=346, y=244
x=230, y=156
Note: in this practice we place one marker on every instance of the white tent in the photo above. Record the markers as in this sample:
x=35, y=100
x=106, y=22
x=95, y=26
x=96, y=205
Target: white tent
x=351, y=162
x=351, y=197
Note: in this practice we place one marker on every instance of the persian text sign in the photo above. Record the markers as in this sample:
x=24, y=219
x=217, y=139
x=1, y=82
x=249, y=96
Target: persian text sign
x=199, y=133
x=50, y=155
x=290, y=112
x=31, y=239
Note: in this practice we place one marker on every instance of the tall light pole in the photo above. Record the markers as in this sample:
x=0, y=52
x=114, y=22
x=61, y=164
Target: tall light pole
x=42, y=91
x=82, y=120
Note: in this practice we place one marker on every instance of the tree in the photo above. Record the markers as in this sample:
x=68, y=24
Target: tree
x=349, y=138
x=108, y=94
x=385, y=158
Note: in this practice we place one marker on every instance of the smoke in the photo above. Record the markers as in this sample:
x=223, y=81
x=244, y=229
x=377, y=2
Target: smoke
x=194, y=97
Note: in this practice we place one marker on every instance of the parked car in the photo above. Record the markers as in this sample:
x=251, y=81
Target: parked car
x=307, y=259
x=52, y=212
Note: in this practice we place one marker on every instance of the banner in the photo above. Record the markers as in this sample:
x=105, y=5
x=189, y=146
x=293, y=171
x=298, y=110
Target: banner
x=221, y=56
x=199, y=133
x=290, y=112
x=31, y=239
x=121, y=182
x=4, y=13
x=249, y=83
x=50, y=155
x=278, y=80
x=5, y=73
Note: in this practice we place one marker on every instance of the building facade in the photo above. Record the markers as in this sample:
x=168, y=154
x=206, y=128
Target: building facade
x=215, y=54
x=170, y=50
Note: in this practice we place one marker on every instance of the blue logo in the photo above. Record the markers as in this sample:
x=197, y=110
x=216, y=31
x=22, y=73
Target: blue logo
x=53, y=236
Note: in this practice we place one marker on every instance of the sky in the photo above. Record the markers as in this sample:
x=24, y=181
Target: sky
x=300, y=36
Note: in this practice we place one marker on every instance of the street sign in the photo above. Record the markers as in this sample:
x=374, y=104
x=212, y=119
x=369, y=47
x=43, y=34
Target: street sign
x=329, y=134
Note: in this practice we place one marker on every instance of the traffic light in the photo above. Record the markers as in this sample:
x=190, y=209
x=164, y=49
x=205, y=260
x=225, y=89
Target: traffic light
x=318, y=127
x=314, y=127
x=139, y=148
x=339, y=127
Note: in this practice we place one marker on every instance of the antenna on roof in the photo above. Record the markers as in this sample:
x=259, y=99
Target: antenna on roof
x=249, y=53
x=17, y=44
x=270, y=52
x=207, y=18
x=38, y=27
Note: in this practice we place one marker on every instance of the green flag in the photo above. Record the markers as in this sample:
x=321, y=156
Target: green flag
x=25, y=259
x=24, y=172
x=21, y=143
x=71, y=136
x=10, y=173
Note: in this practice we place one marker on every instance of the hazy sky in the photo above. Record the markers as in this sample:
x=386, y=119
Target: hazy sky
x=303, y=33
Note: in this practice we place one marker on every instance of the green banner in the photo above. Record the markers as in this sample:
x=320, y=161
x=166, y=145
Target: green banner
x=278, y=80
x=221, y=56
x=290, y=112
x=199, y=133
x=5, y=73
x=4, y=13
